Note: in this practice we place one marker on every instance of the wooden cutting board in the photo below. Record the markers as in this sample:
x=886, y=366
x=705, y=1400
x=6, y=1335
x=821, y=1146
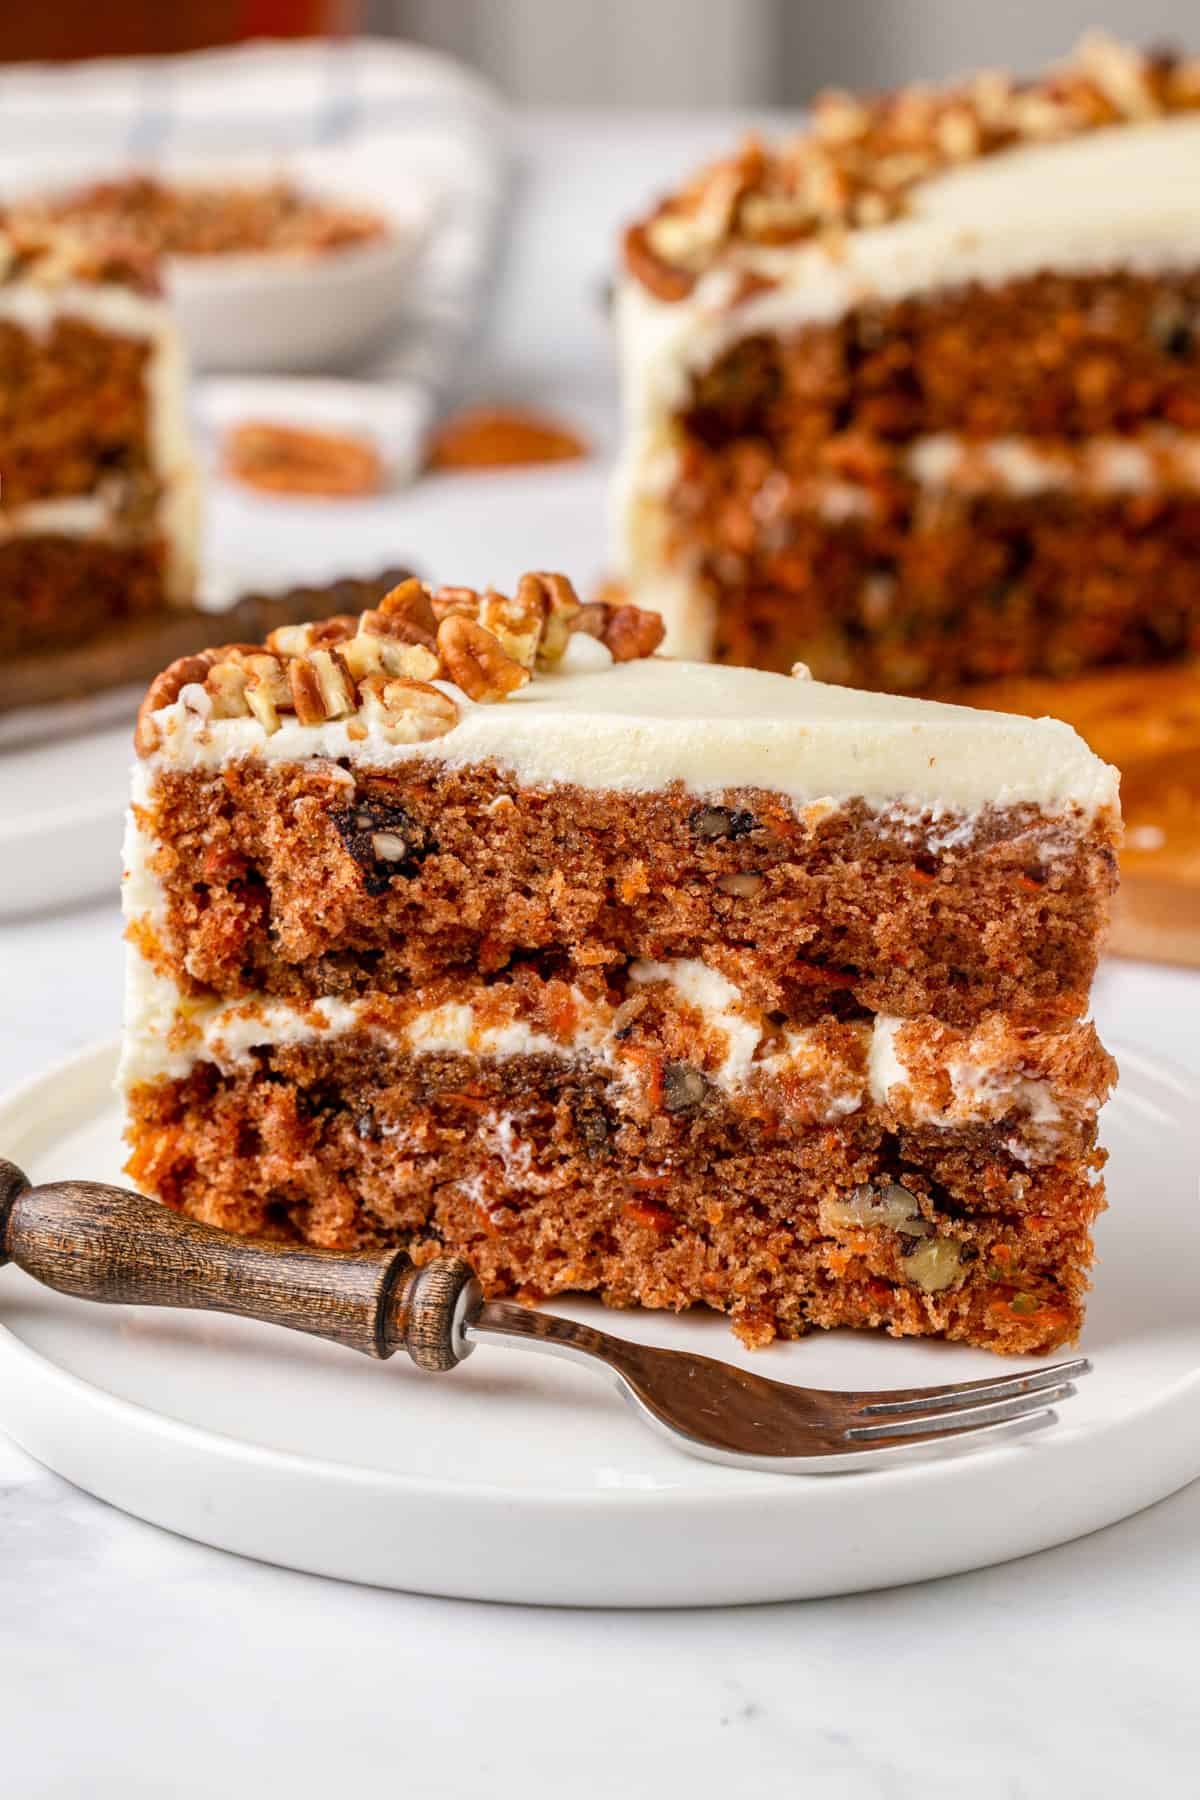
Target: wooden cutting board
x=1147, y=722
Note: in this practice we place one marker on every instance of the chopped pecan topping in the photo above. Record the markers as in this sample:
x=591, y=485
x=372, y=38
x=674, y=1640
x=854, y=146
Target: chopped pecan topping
x=559, y=605
x=298, y=640
x=368, y=654
x=455, y=602
x=859, y=160
x=335, y=683
x=406, y=613
x=376, y=671
x=306, y=691
x=266, y=690
x=516, y=624
x=164, y=690
x=226, y=682
x=475, y=661
x=406, y=712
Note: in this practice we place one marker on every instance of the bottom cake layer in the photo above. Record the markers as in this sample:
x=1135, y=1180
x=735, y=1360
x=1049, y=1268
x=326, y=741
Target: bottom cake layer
x=550, y=1177
x=971, y=590
x=57, y=591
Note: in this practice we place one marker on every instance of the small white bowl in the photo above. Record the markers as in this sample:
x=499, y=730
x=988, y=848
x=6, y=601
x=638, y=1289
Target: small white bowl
x=285, y=312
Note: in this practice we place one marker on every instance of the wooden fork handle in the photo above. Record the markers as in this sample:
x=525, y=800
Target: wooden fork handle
x=110, y=1244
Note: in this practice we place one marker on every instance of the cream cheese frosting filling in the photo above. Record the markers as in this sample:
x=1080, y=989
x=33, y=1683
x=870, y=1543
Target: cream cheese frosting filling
x=976, y=1080
x=643, y=725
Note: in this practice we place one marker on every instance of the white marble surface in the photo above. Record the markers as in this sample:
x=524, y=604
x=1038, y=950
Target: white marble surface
x=134, y=1664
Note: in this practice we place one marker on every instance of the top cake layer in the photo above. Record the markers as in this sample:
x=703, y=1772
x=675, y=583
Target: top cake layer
x=356, y=691
x=1091, y=165
x=456, y=784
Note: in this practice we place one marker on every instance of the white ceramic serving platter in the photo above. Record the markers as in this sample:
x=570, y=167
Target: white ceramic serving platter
x=522, y=1478
x=62, y=801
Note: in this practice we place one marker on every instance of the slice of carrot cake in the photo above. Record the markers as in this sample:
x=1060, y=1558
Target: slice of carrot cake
x=98, y=491
x=473, y=924
x=915, y=395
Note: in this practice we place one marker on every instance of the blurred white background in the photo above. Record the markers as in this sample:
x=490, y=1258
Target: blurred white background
x=692, y=53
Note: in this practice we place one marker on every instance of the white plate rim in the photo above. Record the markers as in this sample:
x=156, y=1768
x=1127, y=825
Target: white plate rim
x=86, y=1065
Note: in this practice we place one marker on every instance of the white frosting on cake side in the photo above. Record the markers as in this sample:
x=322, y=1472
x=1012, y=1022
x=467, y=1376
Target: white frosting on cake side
x=639, y=726
x=1123, y=198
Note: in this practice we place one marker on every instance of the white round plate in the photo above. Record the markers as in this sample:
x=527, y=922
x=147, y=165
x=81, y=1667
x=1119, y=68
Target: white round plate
x=525, y=1479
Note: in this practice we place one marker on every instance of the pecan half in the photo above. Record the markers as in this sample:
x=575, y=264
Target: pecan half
x=475, y=661
x=285, y=459
x=406, y=613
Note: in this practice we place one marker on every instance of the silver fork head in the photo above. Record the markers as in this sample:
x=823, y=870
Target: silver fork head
x=731, y=1415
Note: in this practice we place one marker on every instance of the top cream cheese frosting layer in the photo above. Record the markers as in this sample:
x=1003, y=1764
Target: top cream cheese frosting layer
x=639, y=726
x=1121, y=198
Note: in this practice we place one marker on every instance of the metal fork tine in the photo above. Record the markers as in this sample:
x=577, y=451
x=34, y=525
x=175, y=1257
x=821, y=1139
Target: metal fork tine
x=945, y=1424
x=966, y=1393
x=974, y=1437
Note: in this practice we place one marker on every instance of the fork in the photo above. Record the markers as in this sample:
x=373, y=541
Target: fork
x=111, y=1244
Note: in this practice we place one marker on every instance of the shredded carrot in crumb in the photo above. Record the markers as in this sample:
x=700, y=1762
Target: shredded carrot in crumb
x=919, y=875
x=650, y=1213
x=651, y=1066
x=470, y=1100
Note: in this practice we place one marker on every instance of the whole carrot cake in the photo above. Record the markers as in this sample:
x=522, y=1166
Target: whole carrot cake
x=473, y=924
x=98, y=491
x=915, y=395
